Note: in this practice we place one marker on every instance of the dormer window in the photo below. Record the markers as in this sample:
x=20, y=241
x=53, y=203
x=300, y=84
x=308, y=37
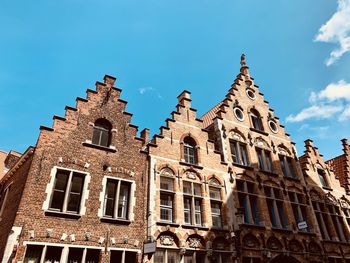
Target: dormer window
x=190, y=150
x=102, y=133
x=256, y=120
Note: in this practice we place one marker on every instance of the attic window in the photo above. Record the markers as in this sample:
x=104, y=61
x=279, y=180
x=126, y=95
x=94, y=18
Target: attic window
x=250, y=94
x=238, y=114
x=273, y=126
x=102, y=133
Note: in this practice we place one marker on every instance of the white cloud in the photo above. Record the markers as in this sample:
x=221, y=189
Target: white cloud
x=315, y=112
x=335, y=98
x=150, y=89
x=345, y=114
x=334, y=91
x=315, y=131
x=337, y=30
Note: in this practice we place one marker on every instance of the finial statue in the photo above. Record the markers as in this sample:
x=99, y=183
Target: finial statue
x=243, y=60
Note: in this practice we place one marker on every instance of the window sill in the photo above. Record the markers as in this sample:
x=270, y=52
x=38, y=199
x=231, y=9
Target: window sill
x=307, y=233
x=165, y=223
x=191, y=165
x=119, y=221
x=62, y=214
x=291, y=178
x=335, y=241
x=243, y=166
x=259, y=131
x=99, y=147
x=281, y=229
x=245, y=225
x=269, y=173
x=193, y=227
x=216, y=228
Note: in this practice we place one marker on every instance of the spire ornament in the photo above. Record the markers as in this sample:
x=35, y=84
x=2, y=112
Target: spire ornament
x=243, y=64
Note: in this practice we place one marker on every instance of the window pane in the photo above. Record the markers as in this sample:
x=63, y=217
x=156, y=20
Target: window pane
x=172, y=257
x=268, y=161
x=187, y=188
x=281, y=214
x=290, y=168
x=123, y=200
x=130, y=257
x=244, y=156
x=260, y=159
x=197, y=189
x=166, y=184
x=92, y=256
x=215, y=193
x=116, y=256
x=159, y=256
x=53, y=254
x=187, y=210
x=57, y=200
x=33, y=254
x=104, y=138
x=75, y=193
x=272, y=213
x=255, y=211
x=75, y=255
x=61, y=180
x=111, y=189
x=234, y=152
x=283, y=166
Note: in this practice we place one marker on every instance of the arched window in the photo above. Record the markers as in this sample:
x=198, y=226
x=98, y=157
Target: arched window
x=102, y=133
x=256, y=120
x=190, y=151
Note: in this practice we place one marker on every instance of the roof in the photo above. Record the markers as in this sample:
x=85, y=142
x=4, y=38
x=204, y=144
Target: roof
x=208, y=117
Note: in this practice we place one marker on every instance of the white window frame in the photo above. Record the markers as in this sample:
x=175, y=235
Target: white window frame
x=165, y=254
x=50, y=187
x=131, y=201
x=216, y=201
x=65, y=250
x=169, y=193
x=194, y=197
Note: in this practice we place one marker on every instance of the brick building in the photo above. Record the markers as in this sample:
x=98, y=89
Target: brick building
x=80, y=194
x=224, y=187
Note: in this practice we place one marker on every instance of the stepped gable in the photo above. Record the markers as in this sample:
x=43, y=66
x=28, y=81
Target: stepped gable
x=243, y=81
x=341, y=166
x=185, y=114
x=96, y=100
x=311, y=161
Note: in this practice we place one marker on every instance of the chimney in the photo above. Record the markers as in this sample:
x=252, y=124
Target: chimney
x=145, y=135
x=109, y=80
x=185, y=99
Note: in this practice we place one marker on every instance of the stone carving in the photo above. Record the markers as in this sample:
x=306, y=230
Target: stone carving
x=295, y=246
x=250, y=241
x=191, y=175
x=314, y=247
x=167, y=172
x=194, y=242
x=166, y=240
x=274, y=243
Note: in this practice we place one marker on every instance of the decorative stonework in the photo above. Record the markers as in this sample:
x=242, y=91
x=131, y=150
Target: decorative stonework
x=274, y=244
x=166, y=240
x=167, y=172
x=194, y=242
x=295, y=246
x=250, y=241
x=191, y=175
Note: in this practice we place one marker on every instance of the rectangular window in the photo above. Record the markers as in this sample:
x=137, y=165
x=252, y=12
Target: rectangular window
x=275, y=206
x=117, y=196
x=67, y=191
x=299, y=208
x=322, y=219
x=192, y=203
x=287, y=166
x=215, y=204
x=123, y=256
x=264, y=159
x=166, y=256
x=248, y=200
x=166, y=199
x=53, y=254
x=239, y=153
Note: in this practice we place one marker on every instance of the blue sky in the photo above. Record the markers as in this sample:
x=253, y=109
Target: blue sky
x=52, y=51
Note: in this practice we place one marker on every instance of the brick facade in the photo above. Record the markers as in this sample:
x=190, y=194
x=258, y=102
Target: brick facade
x=68, y=145
x=224, y=187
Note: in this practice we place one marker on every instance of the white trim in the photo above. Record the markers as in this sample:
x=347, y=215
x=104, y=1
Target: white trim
x=25, y=243
x=123, y=249
x=131, y=197
x=50, y=186
x=11, y=242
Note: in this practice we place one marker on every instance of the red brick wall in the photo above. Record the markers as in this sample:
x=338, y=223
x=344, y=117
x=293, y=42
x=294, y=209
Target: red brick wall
x=66, y=141
x=18, y=180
